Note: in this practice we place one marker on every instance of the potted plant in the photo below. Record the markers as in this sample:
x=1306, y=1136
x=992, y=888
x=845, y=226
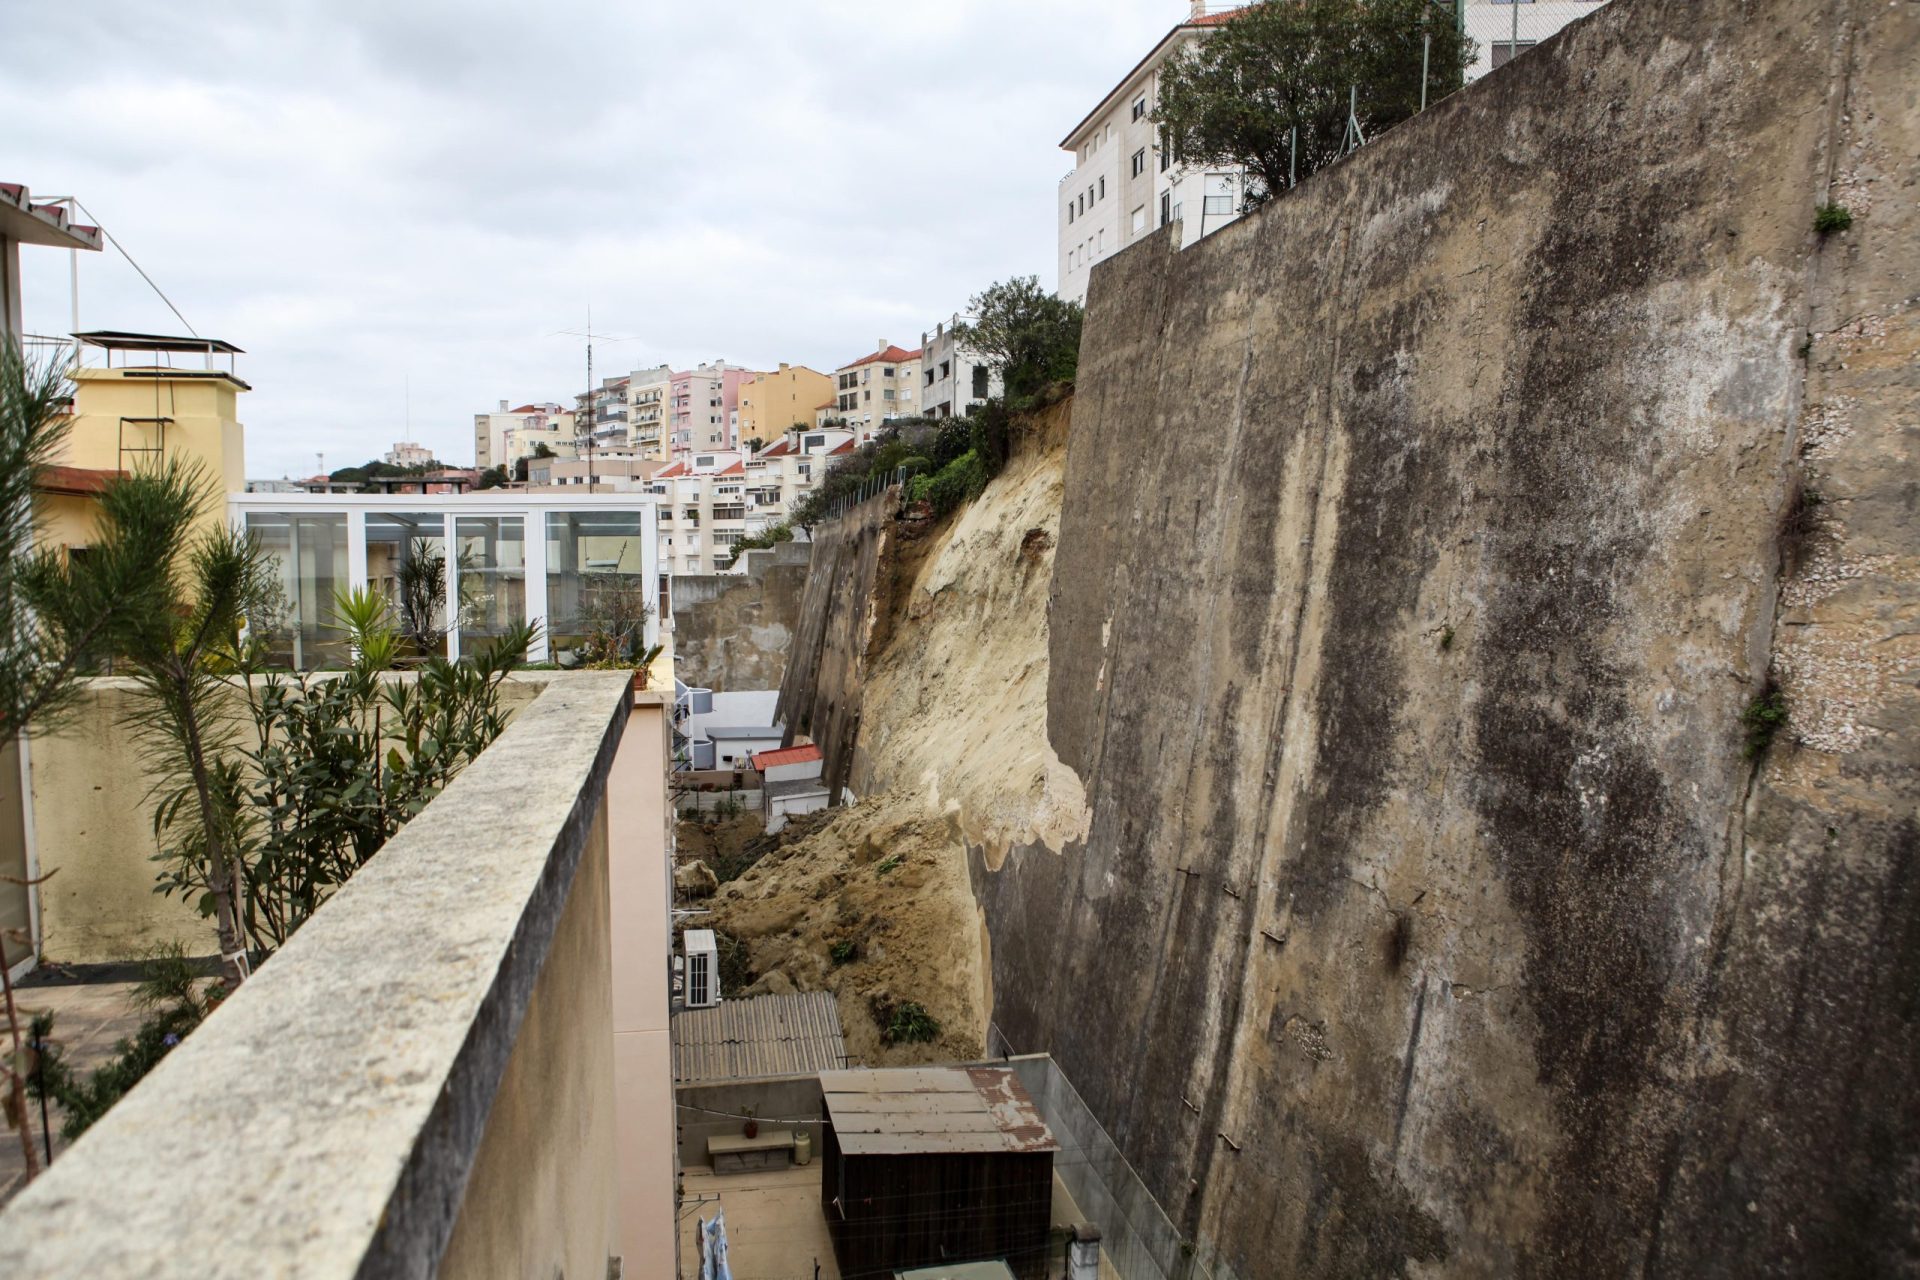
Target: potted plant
x=750, y=1129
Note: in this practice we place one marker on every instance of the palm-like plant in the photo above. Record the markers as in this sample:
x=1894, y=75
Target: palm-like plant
x=180, y=647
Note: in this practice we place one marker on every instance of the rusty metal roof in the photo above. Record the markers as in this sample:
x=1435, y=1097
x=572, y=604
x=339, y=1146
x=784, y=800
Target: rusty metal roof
x=764, y=1036
x=896, y=1111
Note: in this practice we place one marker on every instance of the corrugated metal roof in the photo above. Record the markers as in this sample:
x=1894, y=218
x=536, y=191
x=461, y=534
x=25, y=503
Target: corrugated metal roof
x=762, y=1036
x=941, y=1110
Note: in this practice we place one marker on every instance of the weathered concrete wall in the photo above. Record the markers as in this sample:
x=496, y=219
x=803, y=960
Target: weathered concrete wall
x=93, y=824
x=848, y=587
x=1419, y=557
x=733, y=631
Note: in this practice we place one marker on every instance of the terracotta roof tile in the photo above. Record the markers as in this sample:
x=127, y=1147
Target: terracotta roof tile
x=786, y=755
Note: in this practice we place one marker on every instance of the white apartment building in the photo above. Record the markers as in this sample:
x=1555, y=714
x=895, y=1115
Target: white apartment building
x=648, y=391
x=1504, y=29
x=505, y=436
x=953, y=380
x=875, y=389
x=406, y=453
x=1124, y=184
x=602, y=416
x=710, y=500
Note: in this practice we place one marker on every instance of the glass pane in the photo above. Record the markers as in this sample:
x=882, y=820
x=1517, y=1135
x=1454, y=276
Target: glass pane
x=310, y=551
x=596, y=590
x=407, y=563
x=492, y=572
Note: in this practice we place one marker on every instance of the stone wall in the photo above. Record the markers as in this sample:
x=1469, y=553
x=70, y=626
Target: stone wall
x=848, y=590
x=733, y=631
x=1422, y=549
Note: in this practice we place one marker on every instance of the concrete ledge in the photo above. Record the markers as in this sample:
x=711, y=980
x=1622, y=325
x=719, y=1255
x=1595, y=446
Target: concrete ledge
x=323, y=1122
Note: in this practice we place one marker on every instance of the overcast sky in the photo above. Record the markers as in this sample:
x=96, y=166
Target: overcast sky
x=367, y=195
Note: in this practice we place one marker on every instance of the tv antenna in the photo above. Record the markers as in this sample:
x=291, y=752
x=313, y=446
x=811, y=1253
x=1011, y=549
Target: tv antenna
x=589, y=335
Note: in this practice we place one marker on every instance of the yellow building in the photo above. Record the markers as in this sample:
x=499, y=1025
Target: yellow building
x=773, y=403
x=151, y=400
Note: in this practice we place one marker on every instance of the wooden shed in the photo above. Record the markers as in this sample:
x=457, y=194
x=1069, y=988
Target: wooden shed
x=935, y=1165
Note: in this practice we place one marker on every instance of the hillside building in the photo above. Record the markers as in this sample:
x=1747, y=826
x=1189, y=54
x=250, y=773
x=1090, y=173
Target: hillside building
x=875, y=389
x=953, y=380
x=703, y=408
x=773, y=403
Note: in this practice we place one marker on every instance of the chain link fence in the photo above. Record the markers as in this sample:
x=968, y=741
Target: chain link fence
x=1137, y=1238
x=1505, y=29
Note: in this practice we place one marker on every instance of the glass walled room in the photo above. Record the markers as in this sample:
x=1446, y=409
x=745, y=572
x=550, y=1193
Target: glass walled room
x=458, y=569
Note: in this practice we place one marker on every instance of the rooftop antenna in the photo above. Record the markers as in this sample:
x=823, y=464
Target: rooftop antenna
x=589, y=335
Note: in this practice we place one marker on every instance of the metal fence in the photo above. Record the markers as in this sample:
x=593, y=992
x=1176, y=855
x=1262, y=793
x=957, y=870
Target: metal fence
x=1505, y=29
x=1137, y=1237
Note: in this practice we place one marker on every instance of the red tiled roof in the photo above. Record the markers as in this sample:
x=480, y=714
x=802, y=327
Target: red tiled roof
x=846, y=446
x=527, y=408
x=78, y=482
x=737, y=469
x=780, y=450
x=892, y=355
x=672, y=471
x=786, y=755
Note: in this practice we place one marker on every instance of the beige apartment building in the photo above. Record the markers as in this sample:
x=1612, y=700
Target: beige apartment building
x=773, y=403
x=875, y=389
x=505, y=436
x=648, y=391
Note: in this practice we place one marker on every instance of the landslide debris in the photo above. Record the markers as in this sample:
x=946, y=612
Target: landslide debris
x=871, y=903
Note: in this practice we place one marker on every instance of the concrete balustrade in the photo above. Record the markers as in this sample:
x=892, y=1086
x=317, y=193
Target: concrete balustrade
x=422, y=1082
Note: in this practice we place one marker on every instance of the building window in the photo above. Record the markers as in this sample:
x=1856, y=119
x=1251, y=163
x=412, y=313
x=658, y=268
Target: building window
x=1089, y=197
x=1103, y=187
x=1220, y=205
x=1166, y=207
x=1505, y=51
x=1140, y=219
x=1100, y=245
x=980, y=382
x=1069, y=214
x=887, y=394
x=1166, y=155
x=1176, y=212
x=1140, y=106
x=1139, y=162
x=868, y=395
x=887, y=372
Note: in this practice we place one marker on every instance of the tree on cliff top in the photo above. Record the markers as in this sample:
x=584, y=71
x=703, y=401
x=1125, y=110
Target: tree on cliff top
x=1029, y=336
x=1235, y=97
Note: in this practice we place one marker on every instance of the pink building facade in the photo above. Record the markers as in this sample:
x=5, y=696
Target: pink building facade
x=703, y=409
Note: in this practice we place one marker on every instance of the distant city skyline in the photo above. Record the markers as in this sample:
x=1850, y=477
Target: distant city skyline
x=396, y=207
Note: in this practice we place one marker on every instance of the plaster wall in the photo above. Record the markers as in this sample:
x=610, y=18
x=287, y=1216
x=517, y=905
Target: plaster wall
x=93, y=824
x=540, y=1196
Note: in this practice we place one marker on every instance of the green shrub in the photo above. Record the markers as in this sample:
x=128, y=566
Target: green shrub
x=843, y=951
x=1764, y=717
x=910, y=1023
x=1830, y=218
x=890, y=863
x=960, y=481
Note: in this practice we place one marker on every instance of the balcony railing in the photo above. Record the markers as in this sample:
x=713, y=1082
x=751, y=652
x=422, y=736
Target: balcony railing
x=422, y=1081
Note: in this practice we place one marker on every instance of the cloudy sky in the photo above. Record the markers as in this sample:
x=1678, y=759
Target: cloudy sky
x=393, y=206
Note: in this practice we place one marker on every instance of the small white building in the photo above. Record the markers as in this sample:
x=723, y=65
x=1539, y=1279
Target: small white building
x=790, y=783
x=736, y=746
x=953, y=380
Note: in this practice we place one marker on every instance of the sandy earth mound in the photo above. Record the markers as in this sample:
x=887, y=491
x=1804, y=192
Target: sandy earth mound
x=886, y=880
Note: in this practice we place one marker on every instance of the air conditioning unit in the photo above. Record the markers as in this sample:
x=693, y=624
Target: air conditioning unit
x=703, y=968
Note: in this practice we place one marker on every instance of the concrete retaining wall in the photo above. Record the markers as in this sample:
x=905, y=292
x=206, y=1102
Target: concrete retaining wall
x=1420, y=557
x=733, y=631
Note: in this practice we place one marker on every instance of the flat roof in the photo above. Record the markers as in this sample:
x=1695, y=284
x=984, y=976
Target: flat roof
x=121, y=340
x=791, y=787
x=737, y=731
x=901, y=1111
x=788, y=1035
